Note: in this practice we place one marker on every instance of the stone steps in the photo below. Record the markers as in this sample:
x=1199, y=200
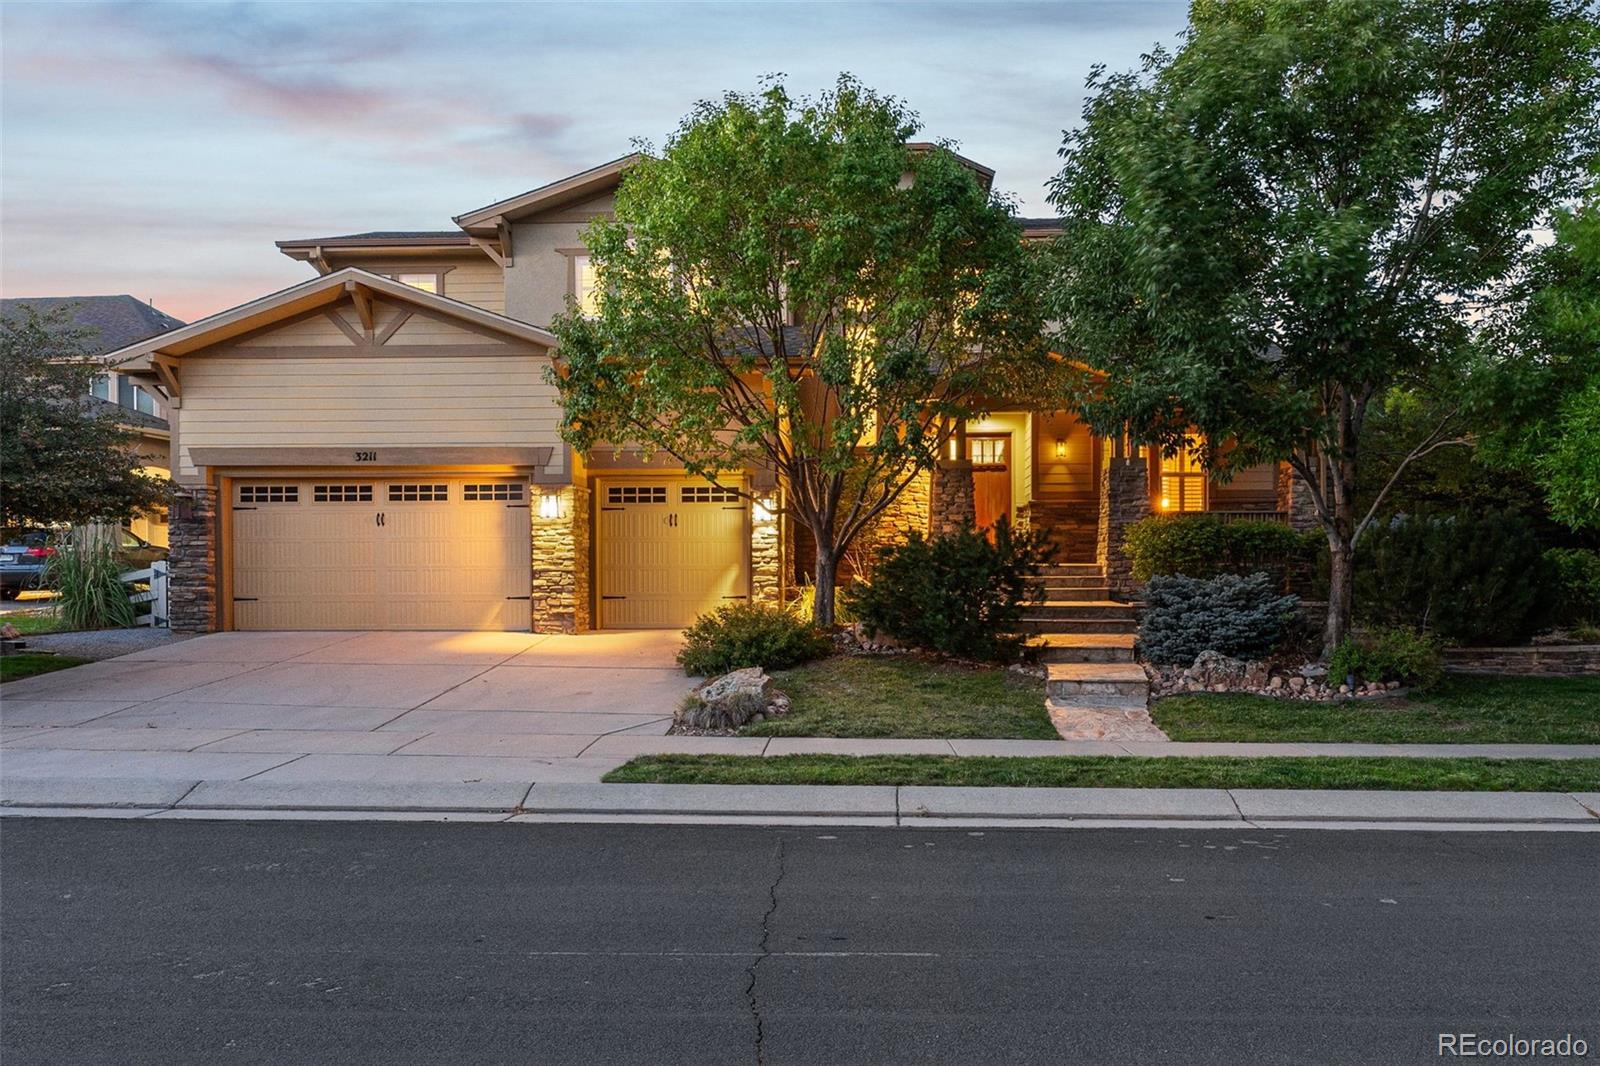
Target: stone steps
x=1035, y=624
x=1080, y=608
x=1082, y=647
x=1097, y=684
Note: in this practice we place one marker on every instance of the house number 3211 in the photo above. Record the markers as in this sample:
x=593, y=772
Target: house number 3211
x=366, y=457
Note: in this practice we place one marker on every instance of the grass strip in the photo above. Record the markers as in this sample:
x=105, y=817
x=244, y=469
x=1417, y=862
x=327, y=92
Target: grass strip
x=1101, y=771
x=28, y=663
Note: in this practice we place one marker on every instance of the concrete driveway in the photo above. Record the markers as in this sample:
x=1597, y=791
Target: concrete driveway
x=349, y=706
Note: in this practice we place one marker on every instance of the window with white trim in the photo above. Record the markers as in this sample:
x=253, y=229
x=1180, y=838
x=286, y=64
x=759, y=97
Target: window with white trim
x=105, y=387
x=143, y=401
x=493, y=490
x=707, y=494
x=636, y=494
x=415, y=493
x=425, y=282
x=585, y=286
x=341, y=493
x=1183, y=480
x=269, y=493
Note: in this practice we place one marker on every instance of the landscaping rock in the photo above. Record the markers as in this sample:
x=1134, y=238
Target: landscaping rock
x=726, y=702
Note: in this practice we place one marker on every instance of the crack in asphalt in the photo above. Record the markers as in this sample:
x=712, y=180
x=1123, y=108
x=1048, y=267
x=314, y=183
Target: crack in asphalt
x=763, y=952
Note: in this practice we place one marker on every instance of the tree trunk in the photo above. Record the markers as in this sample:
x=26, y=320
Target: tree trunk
x=1341, y=585
x=827, y=568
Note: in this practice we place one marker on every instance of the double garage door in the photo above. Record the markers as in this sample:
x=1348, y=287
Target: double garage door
x=668, y=551
x=418, y=552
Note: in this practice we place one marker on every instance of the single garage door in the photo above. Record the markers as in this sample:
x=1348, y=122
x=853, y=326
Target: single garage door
x=418, y=552
x=669, y=551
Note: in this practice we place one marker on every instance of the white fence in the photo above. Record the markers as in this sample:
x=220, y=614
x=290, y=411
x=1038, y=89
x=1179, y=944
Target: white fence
x=149, y=586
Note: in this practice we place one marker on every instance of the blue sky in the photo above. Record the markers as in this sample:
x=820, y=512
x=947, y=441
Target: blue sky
x=159, y=149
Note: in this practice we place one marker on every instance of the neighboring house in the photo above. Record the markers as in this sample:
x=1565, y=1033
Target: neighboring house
x=117, y=322
x=377, y=448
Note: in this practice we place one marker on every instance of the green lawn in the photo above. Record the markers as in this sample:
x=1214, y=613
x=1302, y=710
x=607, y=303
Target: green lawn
x=1449, y=775
x=1462, y=710
x=27, y=663
x=29, y=623
x=863, y=696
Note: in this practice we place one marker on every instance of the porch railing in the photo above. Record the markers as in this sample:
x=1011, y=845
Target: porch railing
x=148, y=586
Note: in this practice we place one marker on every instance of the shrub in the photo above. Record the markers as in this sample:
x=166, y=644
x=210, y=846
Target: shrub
x=1575, y=584
x=960, y=594
x=87, y=576
x=1470, y=578
x=1240, y=617
x=803, y=606
x=1199, y=545
x=1389, y=653
x=749, y=634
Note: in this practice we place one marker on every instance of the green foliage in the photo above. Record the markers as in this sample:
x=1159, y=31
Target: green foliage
x=62, y=458
x=804, y=606
x=1241, y=617
x=1575, y=585
x=1271, y=227
x=749, y=634
x=1200, y=545
x=1389, y=653
x=86, y=574
x=960, y=594
x=774, y=295
x=1468, y=578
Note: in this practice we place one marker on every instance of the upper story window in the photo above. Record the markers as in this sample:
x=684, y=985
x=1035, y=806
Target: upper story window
x=143, y=401
x=585, y=286
x=425, y=282
x=105, y=387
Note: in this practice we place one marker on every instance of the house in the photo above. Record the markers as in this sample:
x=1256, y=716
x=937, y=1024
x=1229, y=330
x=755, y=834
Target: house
x=377, y=448
x=116, y=322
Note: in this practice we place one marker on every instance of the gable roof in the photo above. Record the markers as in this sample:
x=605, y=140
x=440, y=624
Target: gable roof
x=382, y=239
x=121, y=320
x=579, y=186
x=322, y=291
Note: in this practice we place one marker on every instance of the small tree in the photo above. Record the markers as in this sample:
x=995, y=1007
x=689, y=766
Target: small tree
x=790, y=285
x=63, y=457
x=1307, y=205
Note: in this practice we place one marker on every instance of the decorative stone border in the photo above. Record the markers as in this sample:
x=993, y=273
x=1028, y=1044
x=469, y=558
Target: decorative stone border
x=1536, y=660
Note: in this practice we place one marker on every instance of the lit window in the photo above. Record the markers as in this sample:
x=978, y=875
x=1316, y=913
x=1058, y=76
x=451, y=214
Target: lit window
x=1183, y=481
x=143, y=401
x=425, y=282
x=987, y=451
x=585, y=286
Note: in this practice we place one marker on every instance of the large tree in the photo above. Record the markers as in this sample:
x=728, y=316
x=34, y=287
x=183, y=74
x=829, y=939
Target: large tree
x=791, y=285
x=1305, y=206
x=64, y=456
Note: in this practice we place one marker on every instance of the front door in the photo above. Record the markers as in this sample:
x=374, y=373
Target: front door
x=991, y=478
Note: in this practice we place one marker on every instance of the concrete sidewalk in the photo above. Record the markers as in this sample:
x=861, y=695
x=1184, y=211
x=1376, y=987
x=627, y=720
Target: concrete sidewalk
x=885, y=805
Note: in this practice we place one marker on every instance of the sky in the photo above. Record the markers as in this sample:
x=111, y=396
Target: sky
x=158, y=149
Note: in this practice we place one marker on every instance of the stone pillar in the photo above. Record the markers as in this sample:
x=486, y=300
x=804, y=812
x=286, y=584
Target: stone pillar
x=766, y=551
x=192, y=561
x=1294, y=499
x=560, y=599
x=1124, y=499
x=951, y=506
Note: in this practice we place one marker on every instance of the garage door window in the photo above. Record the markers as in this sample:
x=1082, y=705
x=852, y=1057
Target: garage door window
x=428, y=493
x=341, y=494
x=636, y=494
x=499, y=490
x=707, y=494
x=269, y=493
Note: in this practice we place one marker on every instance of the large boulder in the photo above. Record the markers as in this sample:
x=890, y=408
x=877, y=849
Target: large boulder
x=727, y=702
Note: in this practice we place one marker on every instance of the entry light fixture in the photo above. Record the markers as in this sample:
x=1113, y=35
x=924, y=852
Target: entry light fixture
x=549, y=505
x=1166, y=504
x=761, y=509
x=1061, y=447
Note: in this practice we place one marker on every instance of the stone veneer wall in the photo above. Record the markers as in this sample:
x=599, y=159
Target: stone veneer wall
x=560, y=600
x=909, y=513
x=1294, y=499
x=1545, y=660
x=192, y=558
x=951, y=503
x=1124, y=499
x=766, y=552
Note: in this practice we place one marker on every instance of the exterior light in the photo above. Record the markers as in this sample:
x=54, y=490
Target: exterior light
x=1061, y=447
x=761, y=509
x=549, y=505
x=1166, y=504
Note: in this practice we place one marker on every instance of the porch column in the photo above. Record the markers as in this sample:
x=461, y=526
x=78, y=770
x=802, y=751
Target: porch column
x=1294, y=499
x=1124, y=499
x=192, y=561
x=951, y=504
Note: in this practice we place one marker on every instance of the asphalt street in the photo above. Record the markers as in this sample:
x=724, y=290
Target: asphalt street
x=331, y=942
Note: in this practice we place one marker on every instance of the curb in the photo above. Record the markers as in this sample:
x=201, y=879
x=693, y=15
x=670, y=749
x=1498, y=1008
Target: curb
x=879, y=805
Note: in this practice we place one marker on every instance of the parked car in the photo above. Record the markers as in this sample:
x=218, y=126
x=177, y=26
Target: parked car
x=22, y=561
x=22, y=558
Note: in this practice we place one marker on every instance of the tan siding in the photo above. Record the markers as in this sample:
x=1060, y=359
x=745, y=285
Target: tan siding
x=1073, y=477
x=360, y=401
x=1255, y=488
x=315, y=331
x=421, y=329
x=476, y=280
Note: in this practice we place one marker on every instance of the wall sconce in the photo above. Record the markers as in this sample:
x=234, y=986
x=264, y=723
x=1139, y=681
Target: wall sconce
x=549, y=505
x=1166, y=504
x=1061, y=447
x=761, y=509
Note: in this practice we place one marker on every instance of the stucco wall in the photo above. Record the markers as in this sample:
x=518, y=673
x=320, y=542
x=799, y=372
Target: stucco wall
x=536, y=280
